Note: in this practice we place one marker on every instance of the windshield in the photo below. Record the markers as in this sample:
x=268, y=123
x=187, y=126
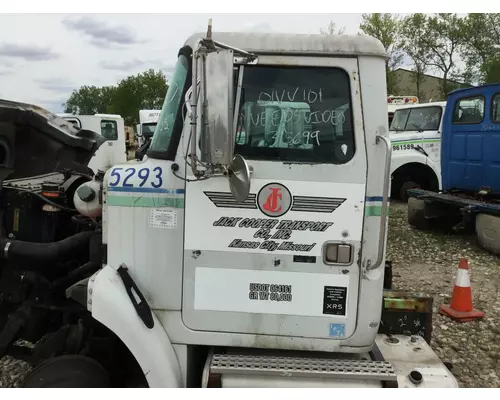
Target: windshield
x=170, y=108
x=296, y=114
x=417, y=119
x=148, y=129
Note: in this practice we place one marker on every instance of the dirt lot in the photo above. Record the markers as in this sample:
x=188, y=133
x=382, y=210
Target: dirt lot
x=426, y=262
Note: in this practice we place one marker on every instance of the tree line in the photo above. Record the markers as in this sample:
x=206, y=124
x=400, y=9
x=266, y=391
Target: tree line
x=457, y=49
x=144, y=91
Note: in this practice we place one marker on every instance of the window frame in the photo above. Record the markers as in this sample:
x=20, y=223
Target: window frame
x=115, y=123
x=493, y=99
x=332, y=160
x=170, y=152
x=478, y=96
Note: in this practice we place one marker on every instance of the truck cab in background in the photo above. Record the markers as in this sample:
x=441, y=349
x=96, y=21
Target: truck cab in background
x=112, y=128
x=415, y=133
x=148, y=119
x=470, y=158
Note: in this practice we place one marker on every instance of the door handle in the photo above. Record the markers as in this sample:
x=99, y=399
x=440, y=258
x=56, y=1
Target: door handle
x=385, y=202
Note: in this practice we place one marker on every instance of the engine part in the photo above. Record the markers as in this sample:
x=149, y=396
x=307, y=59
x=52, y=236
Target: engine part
x=43, y=252
x=87, y=199
x=26, y=129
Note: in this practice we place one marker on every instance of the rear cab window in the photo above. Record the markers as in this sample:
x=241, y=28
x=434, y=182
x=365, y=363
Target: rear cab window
x=468, y=110
x=495, y=109
x=295, y=114
x=109, y=129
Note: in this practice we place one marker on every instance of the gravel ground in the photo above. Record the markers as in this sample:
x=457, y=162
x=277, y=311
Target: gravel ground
x=12, y=371
x=425, y=262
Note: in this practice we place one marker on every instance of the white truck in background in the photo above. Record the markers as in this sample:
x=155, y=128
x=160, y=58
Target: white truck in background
x=415, y=133
x=148, y=119
x=112, y=127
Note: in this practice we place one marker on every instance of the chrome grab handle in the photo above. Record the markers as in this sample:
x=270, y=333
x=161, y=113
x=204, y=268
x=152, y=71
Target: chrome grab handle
x=385, y=202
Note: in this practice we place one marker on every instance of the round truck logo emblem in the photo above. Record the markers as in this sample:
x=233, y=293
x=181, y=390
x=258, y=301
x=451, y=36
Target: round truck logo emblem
x=274, y=200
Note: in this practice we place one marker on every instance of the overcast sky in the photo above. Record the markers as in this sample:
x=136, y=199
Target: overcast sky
x=44, y=57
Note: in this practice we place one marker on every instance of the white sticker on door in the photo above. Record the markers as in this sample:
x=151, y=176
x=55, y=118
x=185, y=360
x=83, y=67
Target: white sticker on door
x=271, y=292
x=163, y=218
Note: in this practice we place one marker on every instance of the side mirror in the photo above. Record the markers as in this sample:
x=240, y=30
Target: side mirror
x=239, y=178
x=217, y=142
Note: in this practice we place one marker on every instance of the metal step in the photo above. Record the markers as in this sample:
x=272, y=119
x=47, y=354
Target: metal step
x=234, y=364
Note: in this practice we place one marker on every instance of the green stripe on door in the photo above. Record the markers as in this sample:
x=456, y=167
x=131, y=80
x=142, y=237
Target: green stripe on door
x=129, y=201
x=374, y=211
x=400, y=142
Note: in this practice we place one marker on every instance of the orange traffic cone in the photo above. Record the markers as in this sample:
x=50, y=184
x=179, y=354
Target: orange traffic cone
x=461, y=308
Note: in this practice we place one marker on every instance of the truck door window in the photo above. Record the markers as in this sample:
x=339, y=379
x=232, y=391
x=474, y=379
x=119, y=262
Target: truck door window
x=468, y=110
x=148, y=129
x=399, y=120
x=109, y=129
x=495, y=108
x=296, y=114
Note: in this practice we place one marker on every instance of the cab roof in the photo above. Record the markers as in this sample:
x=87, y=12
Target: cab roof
x=488, y=86
x=429, y=104
x=395, y=107
x=298, y=44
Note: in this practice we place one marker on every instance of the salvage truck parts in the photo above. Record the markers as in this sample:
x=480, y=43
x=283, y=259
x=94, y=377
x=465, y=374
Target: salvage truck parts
x=470, y=195
x=112, y=129
x=175, y=303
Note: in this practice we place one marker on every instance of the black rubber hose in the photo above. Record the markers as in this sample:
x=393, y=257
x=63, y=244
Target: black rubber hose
x=44, y=252
x=76, y=275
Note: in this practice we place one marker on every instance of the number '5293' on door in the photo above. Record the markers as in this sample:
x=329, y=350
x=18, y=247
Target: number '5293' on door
x=139, y=177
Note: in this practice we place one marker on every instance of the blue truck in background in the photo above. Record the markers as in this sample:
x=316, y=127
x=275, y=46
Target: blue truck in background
x=470, y=168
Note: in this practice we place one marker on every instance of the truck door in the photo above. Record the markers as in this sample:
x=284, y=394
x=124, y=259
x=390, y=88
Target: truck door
x=286, y=261
x=470, y=151
x=406, y=131
x=432, y=127
x=114, y=132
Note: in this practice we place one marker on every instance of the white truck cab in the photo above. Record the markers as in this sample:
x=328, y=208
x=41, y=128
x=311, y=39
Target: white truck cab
x=148, y=119
x=257, y=259
x=415, y=134
x=112, y=128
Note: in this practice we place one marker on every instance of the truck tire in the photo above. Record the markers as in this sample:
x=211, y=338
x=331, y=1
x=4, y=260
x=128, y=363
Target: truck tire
x=488, y=232
x=403, y=195
x=416, y=214
x=68, y=371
